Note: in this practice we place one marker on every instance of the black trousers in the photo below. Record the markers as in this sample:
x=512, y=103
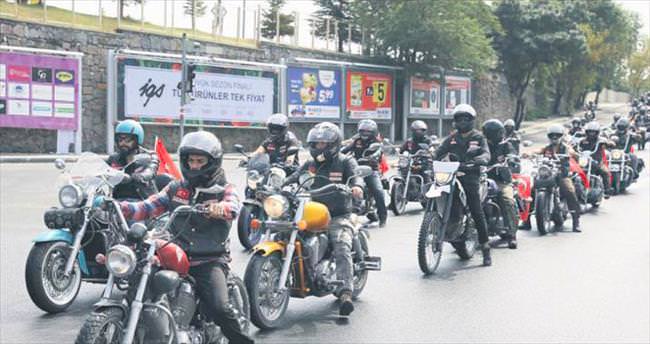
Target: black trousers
x=471, y=186
x=373, y=184
x=212, y=288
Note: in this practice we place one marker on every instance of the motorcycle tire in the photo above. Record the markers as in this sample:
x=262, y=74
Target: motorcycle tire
x=360, y=278
x=542, y=217
x=243, y=305
x=98, y=324
x=430, y=243
x=559, y=215
x=35, y=274
x=246, y=237
x=256, y=296
x=466, y=248
x=397, y=202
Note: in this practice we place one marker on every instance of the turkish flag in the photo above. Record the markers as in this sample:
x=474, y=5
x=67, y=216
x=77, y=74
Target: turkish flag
x=167, y=165
x=575, y=167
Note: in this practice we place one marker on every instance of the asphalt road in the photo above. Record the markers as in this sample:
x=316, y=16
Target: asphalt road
x=563, y=287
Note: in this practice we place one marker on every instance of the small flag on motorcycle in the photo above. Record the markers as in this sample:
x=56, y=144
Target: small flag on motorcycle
x=167, y=165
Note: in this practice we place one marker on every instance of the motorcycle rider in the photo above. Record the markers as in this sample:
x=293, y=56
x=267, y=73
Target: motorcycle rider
x=511, y=135
x=279, y=141
x=418, y=136
x=500, y=150
x=615, y=119
x=204, y=238
x=327, y=161
x=367, y=134
x=129, y=136
x=469, y=147
x=625, y=140
x=594, y=143
x=555, y=133
x=576, y=125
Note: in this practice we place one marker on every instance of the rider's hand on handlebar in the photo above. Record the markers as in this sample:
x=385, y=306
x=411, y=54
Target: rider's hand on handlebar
x=216, y=210
x=357, y=192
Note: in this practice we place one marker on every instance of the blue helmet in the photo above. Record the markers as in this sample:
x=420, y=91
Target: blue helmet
x=130, y=127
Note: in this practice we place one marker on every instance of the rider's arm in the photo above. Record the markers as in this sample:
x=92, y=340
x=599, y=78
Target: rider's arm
x=349, y=165
x=149, y=172
x=293, y=178
x=230, y=204
x=151, y=207
x=442, y=150
x=483, y=158
x=571, y=152
x=347, y=146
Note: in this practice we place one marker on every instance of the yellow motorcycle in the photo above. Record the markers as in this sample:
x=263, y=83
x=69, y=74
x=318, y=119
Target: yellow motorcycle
x=295, y=258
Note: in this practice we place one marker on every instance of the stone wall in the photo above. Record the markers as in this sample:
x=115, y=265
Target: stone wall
x=489, y=96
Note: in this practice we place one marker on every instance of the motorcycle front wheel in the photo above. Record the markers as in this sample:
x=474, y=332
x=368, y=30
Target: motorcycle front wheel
x=249, y=237
x=397, y=200
x=47, y=285
x=267, y=303
x=466, y=248
x=542, y=214
x=104, y=326
x=430, y=242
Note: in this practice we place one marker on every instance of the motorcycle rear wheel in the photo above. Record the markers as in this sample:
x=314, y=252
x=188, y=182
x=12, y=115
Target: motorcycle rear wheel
x=241, y=302
x=430, y=243
x=466, y=248
x=397, y=201
x=268, y=304
x=360, y=278
x=103, y=326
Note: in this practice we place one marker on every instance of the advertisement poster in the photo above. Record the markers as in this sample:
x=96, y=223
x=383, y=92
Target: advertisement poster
x=150, y=91
x=33, y=86
x=313, y=93
x=425, y=97
x=368, y=95
x=457, y=91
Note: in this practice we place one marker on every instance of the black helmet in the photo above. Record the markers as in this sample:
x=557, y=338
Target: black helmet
x=418, y=130
x=493, y=130
x=622, y=125
x=617, y=116
x=464, y=116
x=277, y=124
x=367, y=129
x=326, y=132
x=208, y=145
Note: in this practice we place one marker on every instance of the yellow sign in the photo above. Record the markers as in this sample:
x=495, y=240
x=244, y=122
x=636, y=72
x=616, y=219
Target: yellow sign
x=379, y=91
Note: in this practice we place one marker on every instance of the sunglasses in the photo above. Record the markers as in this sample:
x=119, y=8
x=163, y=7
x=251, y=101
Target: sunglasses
x=463, y=118
x=555, y=136
x=125, y=138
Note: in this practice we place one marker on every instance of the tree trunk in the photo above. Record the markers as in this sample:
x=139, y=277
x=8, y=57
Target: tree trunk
x=557, y=100
x=121, y=9
x=597, y=95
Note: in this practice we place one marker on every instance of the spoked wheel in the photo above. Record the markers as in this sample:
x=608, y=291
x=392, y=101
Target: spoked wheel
x=102, y=327
x=397, y=200
x=45, y=278
x=466, y=248
x=268, y=303
x=430, y=242
x=543, y=213
x=249, y=237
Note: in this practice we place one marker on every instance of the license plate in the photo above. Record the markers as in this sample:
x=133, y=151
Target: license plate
x=614, y=168
x=436, y=191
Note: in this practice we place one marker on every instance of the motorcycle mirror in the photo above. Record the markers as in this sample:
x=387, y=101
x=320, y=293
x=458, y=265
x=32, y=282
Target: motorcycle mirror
x=527, y=143
x=214, y=189
x=59, y=164
x=239, y=148
x=374, y=146
x=136, y=232
x=363, y=171
x=293, y=150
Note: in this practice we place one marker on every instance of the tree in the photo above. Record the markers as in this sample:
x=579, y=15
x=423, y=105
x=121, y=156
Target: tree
x=639, y=69
x=338, y=13
x=269, y=21
x=195, y=8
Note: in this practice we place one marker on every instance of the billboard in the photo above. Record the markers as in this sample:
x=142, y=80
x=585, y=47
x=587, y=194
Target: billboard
x=457, y=91
x=313, y=93
x=39, y=91
x=424, y=97
x=149, y=90
x=369, y=95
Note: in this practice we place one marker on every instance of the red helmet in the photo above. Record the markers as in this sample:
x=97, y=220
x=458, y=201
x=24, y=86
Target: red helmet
x=172, y=257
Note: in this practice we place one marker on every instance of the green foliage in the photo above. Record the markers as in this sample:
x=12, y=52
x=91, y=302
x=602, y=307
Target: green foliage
x=341, y=21
x=269, y=20
x=639, y=69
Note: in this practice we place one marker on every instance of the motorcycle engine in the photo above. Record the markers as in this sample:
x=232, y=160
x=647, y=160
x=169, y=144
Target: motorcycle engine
x=314, y=249
x=325, y=273
x=183, y=304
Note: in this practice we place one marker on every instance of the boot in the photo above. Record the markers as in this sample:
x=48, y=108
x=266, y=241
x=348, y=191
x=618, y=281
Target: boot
x=575, y=216
x=525, y=225
x=512, y=242
x=382, y=220
x=487, y=259
x=346, y=307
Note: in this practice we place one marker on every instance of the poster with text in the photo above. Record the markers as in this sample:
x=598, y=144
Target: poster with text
x=150, y=91
x=313, y=93
x=457, y=91
x=425, y=96
x=369, y=95
x=32, y=86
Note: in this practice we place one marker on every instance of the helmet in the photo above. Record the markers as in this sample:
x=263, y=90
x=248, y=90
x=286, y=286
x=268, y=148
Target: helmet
x=493, y=130
x=326, y=132
x=622, y=124
x=464, y=116
x=617, y=116
x=509, y=124
x=277, y=124
x=592, y=130
x=576, y=122
x=130, y=127
x=418, y=129
x=367, y=129
x=201, y=143
x=555, y=133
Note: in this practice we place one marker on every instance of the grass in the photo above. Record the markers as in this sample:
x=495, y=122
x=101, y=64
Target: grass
x=65, y=18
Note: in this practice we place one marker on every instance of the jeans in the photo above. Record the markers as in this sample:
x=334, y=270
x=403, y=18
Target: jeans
x=373, y=184
x=603, y=172
x=212, y=288
x=471, y=186
x=506, y=199
x=568, y=192
x=340, y=237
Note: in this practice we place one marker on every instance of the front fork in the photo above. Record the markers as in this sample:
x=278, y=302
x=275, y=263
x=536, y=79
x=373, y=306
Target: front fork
x=76, y=245
x=291, y=246
x=137, y=304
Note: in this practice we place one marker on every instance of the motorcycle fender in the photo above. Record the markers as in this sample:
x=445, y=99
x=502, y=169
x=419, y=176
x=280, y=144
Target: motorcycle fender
x=437, y=190
x=66, y=236
x=268, y=247
x=111, y=303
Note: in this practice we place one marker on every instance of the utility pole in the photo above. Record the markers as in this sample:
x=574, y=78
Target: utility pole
x=183, y=86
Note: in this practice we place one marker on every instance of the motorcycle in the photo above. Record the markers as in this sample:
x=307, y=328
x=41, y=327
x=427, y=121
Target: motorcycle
x=550, y=208
x=409, y=185
x=262, y=180
x=295, y=258
x=438, y=225
x=590, y=114
x=64, y=256
x=494, y=215
x=620, y=165
x=595, y=189
x=160, y=304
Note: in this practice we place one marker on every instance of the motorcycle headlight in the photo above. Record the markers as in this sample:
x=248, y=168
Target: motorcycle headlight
x=403, y=162
x=442, y=177
x=275, y=206
x=617, y=154
x=545, y=172
x=120, y=261
x=252, y=178
x=583, y=161
x=276, y=178
x=70, y=196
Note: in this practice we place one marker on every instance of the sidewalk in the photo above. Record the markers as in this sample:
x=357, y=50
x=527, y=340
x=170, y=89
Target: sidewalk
x=527, y=127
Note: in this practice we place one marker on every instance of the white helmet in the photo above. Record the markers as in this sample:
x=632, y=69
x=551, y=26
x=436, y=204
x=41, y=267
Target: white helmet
x=464, y=108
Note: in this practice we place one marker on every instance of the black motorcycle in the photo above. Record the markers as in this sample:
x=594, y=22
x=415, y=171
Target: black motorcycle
x=550, y=209
x=409, y=185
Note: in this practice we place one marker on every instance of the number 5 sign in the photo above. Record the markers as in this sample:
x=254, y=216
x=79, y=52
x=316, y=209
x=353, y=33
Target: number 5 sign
x=368, y=95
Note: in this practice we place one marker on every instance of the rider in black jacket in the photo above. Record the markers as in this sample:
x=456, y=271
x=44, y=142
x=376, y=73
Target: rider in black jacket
x=469, y=147
x=203, y=238
x=280, y=139
x=418, y=136
x=594, y=143
x=328, y=162
x=625, y=139
x=367, y=134
x=511, y=134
